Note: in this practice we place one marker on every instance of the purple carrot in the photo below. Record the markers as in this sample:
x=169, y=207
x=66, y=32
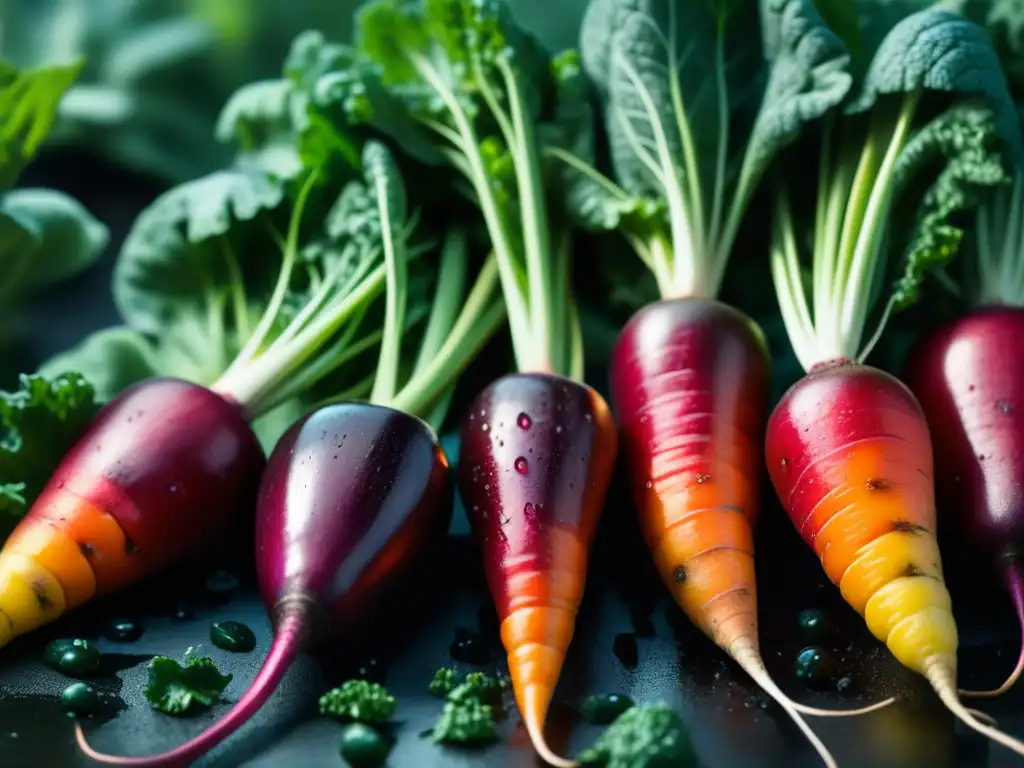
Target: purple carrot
x=352, y=496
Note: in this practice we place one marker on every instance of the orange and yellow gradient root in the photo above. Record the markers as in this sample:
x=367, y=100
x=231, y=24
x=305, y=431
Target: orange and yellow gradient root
x=63, y=554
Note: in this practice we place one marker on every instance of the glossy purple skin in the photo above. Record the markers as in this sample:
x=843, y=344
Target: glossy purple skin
x=351, y=496
x=172, y=461
x=968, y=378
x=537, y=453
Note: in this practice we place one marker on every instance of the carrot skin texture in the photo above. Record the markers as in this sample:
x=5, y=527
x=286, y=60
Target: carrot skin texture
x=537, y=453
x=690, y=388
x=353, y=497
x=850, y=457
x=161, y=471
x=968, y=382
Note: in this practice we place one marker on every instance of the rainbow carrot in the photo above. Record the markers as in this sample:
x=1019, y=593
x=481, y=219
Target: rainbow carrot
x=134, y=494
x=537, y=454
x=848, y=449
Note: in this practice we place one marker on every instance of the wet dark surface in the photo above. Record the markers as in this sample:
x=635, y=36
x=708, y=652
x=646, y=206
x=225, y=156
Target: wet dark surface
x=732, y=723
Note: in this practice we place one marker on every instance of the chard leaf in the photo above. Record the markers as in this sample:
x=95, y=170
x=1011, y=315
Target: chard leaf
x=964, y=143
x=111, y=359
x=260, y=119
x=941, y=51
x=456, y=47
x=696, y=114
x=68, y=238
x=176, y=689
x=174, y=260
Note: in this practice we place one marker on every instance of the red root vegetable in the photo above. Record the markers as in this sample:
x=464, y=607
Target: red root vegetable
x=352, y=497
x=967, y=377
x=536, y=457
x=135, y=493
x=690, y=387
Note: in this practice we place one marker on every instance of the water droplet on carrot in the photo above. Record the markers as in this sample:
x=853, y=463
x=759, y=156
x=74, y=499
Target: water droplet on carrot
x=173, y=489
x=649, y=484
x=521, y=465
x=1005, y=406
x=524, y=421
x=558, y=429
x=485, y=427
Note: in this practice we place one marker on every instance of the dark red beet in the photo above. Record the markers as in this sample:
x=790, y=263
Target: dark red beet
x=352, y=495
x=536, y=458
x=968, y=379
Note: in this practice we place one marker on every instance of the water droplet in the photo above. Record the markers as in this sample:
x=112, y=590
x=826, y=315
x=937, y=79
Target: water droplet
x=558, y=429
x=588, y=417
x=487, y=486
x=703, y=478
x=521, y=465
x=173, y=489
x=528, y=508
x=524, y=421
x=571, y=485
x=1005, y=406
x=485, y=427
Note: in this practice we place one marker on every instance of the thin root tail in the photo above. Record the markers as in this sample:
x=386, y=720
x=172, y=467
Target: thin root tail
x=1015, y=584
x=943, y=680
x=817, y=712
x=101, y=757
x=746, y=655
x=542, y=749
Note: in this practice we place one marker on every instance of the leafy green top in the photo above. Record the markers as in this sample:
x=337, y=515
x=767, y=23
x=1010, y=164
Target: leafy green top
x=456, y=83
x=359, y=700
x=177, y=689
x=38, y=424
x=650, y=736
x=296, y=276
x=45, y=235
x=695, y=114
x=925, y=136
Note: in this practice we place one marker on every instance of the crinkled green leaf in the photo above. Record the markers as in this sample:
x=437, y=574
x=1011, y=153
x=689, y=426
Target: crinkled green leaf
x=39, y=422
x=422, y=57
x=941, y=51
x=259, y=119
x=173, y=260
x=359, y=700
x=964, y=143
x=468, y=721
x=649, y=736
x=177, y=689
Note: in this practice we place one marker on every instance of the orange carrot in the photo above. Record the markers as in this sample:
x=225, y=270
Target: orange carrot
x=536, y=457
